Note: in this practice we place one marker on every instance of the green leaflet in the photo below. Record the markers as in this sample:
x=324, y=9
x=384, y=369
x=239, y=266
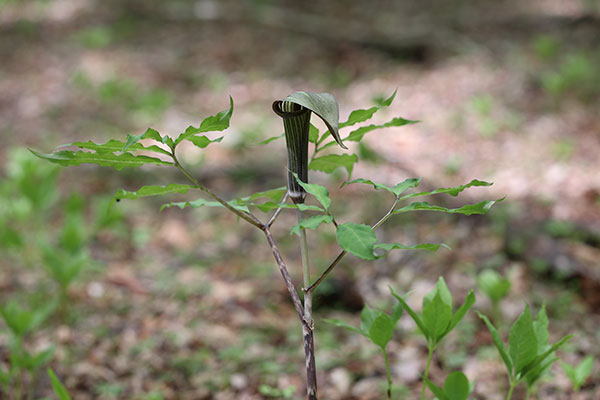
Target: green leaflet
x=367, y=316
x=498, y=343
x=357, y=239
x=422, y=246
x=70, y=158
x=357, y=134
x=522, y=342
x=381, y=330
x=436, y=317
x=540, y=327
x=322, y=104
x=580, y=373
x=362, y=115
x=344, y=324
x=442, y=289
x=320, y=192
x=153, y=190
x=396, y=190
x=469, y=209
x=331, y=162
x=452, y=191
x=148, y=134
x=541, y=357
x=58, y=387
x=313, y=134
x=269, y=140
x=270, y=205
x=202, y=141
x=375, y=325
x=116, y=145
x=462, y=310
x=456, y=386
x=311, y=223
x=271, y=194
x=411, y=312
x=218, y=122
x=203, y=203
x=436, y=390
x=493, y=285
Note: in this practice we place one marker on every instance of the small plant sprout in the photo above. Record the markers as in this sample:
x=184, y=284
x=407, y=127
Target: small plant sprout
x=495, y=287
x=437, y=318
x=580, y=373
x=529, y=354
x=21, y=322
x=456, y=387
x=378, y=327
x=353, y=238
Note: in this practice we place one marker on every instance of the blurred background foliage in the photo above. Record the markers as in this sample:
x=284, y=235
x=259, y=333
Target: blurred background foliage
x=127, y=303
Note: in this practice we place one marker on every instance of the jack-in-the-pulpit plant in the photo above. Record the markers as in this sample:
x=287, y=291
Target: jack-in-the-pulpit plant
x=355, y=238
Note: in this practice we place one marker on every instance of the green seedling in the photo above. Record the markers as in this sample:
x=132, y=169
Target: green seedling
x=495, y=287
x=20, y=323
x=456, y=387
x=578, y=374
x=378, y=327
x=437, y=318
x=270, y=391
x=296, y=109
x=529, y=354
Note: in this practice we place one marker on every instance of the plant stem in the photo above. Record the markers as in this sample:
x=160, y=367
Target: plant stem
x=321, y=278
x=426, y=374
x=528, y=393
x=246, y=216
x=277, y=212
x=307, y=329
x=510, y=391
x=389, y=374
x=305, y=270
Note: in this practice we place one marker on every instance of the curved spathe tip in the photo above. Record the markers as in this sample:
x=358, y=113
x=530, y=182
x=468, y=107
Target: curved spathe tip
x=322, y=104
